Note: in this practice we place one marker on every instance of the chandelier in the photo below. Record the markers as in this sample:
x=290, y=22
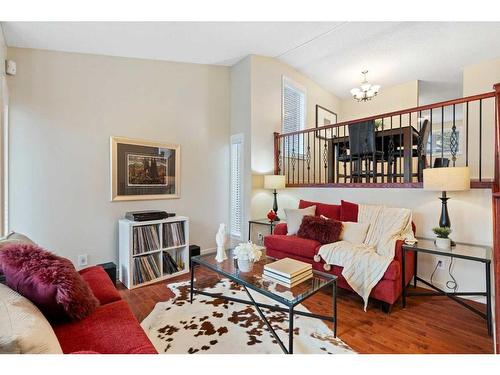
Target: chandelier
x=366, y=91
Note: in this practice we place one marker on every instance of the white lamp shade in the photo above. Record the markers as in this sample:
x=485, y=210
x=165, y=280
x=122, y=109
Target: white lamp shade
x=274, y=182
x=447, y=179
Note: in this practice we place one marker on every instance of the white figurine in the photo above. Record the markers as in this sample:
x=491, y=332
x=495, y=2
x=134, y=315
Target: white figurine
x=220, y=238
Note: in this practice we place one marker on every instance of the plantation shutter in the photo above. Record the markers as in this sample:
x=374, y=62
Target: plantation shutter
x=294, y=115
x=236, y=215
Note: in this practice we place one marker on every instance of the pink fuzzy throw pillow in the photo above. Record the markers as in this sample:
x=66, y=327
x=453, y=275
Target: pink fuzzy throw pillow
x=50, y=282
x=320, y=229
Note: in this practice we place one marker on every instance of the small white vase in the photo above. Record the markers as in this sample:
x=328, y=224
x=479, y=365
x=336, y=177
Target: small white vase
x=244, y=265
x=443, y=243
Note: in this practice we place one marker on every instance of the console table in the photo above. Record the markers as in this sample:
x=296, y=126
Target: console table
x=464, y=251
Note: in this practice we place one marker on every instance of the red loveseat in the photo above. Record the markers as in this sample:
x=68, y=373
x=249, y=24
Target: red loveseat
x=280, y=245
x=111, y=329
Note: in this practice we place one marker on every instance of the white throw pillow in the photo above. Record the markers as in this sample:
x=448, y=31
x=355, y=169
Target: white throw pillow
x=354, y=232
x=294, y=217
x=23, y=328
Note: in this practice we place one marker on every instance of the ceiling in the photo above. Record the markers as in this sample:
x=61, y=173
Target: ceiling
x=331, y=53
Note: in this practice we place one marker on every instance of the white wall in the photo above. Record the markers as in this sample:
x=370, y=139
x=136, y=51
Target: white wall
x=3, y=103
x=241, y=120
x=266, y=114
x=64, y=108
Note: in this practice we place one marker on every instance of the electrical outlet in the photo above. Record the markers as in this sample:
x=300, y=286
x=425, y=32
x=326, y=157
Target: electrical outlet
x=440, y=265
x=260, y=236
x=82, y=260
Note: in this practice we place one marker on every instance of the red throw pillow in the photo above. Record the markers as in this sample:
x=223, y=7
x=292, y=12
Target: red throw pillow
x=49, y=281
x=331, y=211
x=320, y=229
x=348, y=211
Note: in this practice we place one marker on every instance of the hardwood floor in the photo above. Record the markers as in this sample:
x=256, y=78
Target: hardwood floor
x=427, y=325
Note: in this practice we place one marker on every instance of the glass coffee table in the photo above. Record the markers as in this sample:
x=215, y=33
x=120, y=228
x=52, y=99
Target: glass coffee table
x=253, y=280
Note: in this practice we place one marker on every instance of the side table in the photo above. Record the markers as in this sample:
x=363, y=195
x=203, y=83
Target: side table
x=265, y=222
x=464, y=251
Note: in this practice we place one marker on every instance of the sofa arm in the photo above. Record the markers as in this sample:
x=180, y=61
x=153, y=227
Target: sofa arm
x=409, y=260
x=280, y=229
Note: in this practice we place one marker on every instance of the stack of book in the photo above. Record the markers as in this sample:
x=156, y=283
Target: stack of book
x=146, y=239
x=288, y=272
x=145, y=269
x=173, y=234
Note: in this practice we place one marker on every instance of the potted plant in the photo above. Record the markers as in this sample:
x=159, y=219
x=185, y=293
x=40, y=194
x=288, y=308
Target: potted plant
x=247, y=253
x=442, y=240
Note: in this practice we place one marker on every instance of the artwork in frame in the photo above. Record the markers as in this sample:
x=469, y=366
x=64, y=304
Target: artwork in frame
x=325, y=117
x=142, y=170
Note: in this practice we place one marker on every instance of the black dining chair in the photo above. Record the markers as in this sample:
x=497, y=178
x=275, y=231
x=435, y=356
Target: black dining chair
x=441, y=163
x=420, y=153
x=362, y=148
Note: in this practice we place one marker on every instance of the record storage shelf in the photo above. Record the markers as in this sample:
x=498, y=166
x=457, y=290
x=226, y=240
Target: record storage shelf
x=126, y=250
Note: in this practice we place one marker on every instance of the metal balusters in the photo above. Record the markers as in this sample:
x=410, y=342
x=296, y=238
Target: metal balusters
x=480, y=137
x=308, y=159
x=442, y=132
x=400, y=149
x=302, y=158
x=431, y=137
x=454, y=139
x=467, y=134
x=325, y=157
x=383, y=152
x=390, y=156
x=294, y=160
x=288, y=158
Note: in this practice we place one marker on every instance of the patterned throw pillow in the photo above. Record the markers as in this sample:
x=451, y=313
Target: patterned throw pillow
x=320, y=229
x=50, y=282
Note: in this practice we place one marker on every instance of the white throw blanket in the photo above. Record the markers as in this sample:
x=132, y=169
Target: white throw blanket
x=365, y=264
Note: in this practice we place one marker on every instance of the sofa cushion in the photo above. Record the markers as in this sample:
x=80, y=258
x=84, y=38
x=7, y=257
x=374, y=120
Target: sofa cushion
x=49, y=281
x=320, y=229
x=23, y=328
x=292, y=245
x=294, y=217
x=331, y=211
x=101, y=284
x=110, y=329
x=348, y=211
x=14, y=238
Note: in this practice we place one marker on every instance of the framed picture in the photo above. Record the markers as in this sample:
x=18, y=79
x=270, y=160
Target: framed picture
x=325, y=117
x=440, y=142
x=142, y=170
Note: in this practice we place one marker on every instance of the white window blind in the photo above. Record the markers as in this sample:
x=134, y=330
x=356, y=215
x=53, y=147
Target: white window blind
x=236, y=214
x=294, y=115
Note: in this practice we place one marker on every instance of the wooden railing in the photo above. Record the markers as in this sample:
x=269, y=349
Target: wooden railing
x=461, y=132
x=496, y=217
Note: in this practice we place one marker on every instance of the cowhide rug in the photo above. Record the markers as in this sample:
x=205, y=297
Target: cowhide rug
x=215, y=326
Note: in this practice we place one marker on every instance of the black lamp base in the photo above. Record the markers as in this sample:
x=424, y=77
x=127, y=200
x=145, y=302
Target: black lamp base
x=275, y=205
x=444, y=220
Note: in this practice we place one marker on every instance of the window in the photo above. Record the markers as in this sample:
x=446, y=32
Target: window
x=293, y=115
x=236, y=213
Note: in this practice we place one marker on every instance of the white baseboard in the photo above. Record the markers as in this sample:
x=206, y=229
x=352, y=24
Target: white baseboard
x=210, y=250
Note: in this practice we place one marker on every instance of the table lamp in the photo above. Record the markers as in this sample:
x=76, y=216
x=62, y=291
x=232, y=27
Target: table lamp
x=274, y=182
x=446, y=179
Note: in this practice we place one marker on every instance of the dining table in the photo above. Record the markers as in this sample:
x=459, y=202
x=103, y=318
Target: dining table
x=403, y=139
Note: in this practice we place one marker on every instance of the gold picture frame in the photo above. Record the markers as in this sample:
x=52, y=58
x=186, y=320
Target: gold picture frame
x=144, y=170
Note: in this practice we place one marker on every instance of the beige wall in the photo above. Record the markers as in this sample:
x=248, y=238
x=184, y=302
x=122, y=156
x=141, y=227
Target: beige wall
x=478, y=79
x=389, y=99
x=267, y=74
x=64, y=108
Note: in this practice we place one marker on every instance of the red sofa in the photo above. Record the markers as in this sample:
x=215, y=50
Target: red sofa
x=280, y=245
x=111, y=329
